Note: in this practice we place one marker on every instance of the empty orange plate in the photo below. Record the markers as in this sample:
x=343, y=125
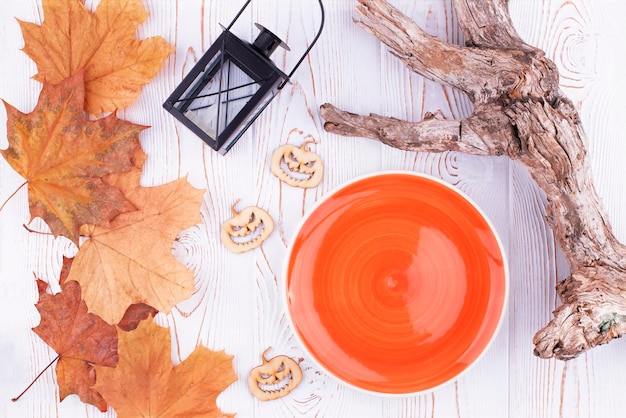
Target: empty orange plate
x=396, y=283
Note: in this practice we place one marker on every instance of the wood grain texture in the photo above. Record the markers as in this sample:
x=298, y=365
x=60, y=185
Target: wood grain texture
x=238, y=305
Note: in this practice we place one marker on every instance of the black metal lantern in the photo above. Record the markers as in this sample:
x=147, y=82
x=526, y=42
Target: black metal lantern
x=231, y=85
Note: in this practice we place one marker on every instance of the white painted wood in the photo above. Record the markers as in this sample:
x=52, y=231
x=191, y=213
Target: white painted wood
x=237, y=304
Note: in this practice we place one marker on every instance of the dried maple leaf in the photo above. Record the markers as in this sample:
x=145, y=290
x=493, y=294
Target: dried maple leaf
x=80, y=338
x=131, y=260
x=134, y=315
x=63, y=157
x=66, y=267
x=145, y=383
x=116, y=64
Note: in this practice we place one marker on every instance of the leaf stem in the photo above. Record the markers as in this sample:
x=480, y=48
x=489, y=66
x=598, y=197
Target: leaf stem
x=33, y=231
x=35, y=379
x=13, y=194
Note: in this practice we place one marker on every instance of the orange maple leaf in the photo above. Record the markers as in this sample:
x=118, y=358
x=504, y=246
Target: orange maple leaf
x=145, y=383
x=63, y=157
x=116, y=64
x=81, y=339
x=131, y=260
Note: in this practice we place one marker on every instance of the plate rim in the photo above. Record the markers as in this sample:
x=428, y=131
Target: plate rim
x=284, y=274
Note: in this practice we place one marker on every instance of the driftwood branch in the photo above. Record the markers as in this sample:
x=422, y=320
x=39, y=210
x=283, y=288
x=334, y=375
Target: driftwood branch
x=520, y=112
x=431, y=134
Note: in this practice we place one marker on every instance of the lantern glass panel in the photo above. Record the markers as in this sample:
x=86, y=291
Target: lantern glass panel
x=217, y=96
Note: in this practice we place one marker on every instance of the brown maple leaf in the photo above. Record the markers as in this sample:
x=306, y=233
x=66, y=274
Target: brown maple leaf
x=81, y=340
x=63, y=157
x=66, y=267
x=116, y=64
x=145, y=383
x=134, y=315
x=131, y=260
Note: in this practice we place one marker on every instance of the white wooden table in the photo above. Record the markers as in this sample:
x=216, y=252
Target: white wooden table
x=237, y=304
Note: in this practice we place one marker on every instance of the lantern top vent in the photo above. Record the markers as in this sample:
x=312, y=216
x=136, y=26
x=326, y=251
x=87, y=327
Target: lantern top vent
x=266, y=42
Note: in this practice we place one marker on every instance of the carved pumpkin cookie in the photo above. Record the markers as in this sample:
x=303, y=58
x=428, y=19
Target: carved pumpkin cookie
x=274, y=378
x=298, y=167
x=247, y=229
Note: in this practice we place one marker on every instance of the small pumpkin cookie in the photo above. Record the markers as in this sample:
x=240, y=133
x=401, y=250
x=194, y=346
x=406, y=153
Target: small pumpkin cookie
x=298, y=167
x=274, y=378
x=247, y=229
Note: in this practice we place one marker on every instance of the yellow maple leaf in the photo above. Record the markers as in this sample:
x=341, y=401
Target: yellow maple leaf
x=130, y=261
x=145, y=383
x=103, y=43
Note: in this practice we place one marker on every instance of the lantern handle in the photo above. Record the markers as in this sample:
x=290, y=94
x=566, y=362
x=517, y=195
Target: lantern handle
x=238, y=14
x=306, y=52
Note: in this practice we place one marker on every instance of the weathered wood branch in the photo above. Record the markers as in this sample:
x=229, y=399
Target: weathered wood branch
x=520, y=112
x=488, y=24
x=431, y=134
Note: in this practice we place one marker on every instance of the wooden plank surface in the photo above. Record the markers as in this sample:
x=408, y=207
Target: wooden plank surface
x=237, y=305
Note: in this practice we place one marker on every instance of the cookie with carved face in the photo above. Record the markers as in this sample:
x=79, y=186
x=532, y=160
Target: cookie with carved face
x=246, y=230
x=274, y=378
x=297, y=166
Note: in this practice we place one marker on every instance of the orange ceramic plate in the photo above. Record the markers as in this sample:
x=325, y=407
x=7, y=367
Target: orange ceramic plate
x=396, y=283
